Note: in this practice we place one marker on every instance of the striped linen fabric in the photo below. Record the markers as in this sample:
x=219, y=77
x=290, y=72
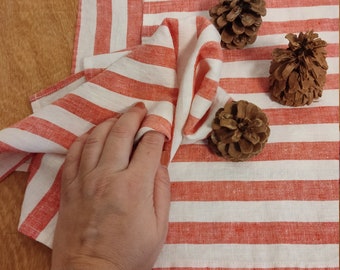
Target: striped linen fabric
x=278, y=210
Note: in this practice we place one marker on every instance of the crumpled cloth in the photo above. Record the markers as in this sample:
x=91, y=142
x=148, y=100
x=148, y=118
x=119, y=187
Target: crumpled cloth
x=278, y=210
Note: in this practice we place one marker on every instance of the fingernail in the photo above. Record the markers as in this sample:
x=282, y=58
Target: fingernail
x=140, y=105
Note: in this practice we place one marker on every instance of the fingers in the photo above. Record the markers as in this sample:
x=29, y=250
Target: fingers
x=93, y=146
x=147, y=155
x=162, y=197
x=119, y=142
x=72, y=160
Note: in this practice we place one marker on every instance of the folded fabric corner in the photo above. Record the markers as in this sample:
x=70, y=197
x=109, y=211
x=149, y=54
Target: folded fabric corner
x=175, y=73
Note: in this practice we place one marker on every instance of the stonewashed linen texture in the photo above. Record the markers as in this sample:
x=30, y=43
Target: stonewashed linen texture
x=277, y=210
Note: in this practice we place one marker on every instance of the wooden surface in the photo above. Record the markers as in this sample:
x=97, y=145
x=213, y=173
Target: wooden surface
x=36, y=46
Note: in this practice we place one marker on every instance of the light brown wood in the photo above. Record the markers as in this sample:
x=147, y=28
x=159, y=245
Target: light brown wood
x=36, y=46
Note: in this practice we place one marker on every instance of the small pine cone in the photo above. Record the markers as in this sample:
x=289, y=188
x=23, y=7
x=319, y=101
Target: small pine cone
x=298, y=73
x=238, y=21
x=239, y=131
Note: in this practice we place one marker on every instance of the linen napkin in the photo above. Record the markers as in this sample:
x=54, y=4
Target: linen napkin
x=178, y=82
x=278, y=210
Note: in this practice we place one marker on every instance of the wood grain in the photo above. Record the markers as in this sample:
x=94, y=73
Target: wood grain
x=36, y=46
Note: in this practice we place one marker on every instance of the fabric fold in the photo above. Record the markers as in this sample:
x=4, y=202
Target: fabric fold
x=175, y=73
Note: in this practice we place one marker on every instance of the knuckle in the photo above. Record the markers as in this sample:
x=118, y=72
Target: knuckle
x=91, y=140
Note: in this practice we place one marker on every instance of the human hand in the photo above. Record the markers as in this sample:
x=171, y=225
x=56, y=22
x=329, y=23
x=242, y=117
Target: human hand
x=114, y=200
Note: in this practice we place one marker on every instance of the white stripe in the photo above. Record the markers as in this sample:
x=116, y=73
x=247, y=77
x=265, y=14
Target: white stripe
x=119, y=25
x=145, y=73
x=9, y=160
x=40, y=183
x=280, y=170
x=254, y=211
x=279, y=39
x=120, y=103
x=103, y=60
x=273, y=14
x=29, y=142
x=25, y=166
x=208, y=34
x=301, y=13
x=187, y=55
x=157, y=18
x=304, y=133
x=64, y=119
x=162, y=37
x=260, y=68
x=49, y=98
x=47, y=234
x=205, y=128
x=248, y=256
x=329, y=98
x=200, y=106
x=161, y=108
x=87, y=32
x=331, y=37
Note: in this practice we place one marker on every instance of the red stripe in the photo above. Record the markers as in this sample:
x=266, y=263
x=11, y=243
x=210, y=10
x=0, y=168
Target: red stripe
x=332, y=81
x=90, y=73
x=300, y=3
x=135, y=21
x=253, y=233
x=84, y=109
x=155, y=55
x=187, y=6
x=177, y=6
x=47, y=130
x=261, y=85
x=317, y=115
x=76, y=38
x=172, y=24
x=193, y=124
x=265, y=53
x=158, y=123
x=45, y=210
x=103, y=27
x=205, y=87
x=34, y=166
x=210, y=49
x=149, y=30
x=133, y=88
x=272, y=151
x=323, y=190
x=57, y=87
x=201, y=24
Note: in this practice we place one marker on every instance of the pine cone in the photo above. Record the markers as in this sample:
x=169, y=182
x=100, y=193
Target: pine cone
x=238, y=21
x=239, y=131
x=298, y=73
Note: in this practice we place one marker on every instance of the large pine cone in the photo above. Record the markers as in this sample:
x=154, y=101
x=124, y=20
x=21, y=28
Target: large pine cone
x=238, y=21
x=239, y=131
x=298, y=73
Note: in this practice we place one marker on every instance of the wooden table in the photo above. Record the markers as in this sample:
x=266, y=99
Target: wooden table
x=36, y=46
